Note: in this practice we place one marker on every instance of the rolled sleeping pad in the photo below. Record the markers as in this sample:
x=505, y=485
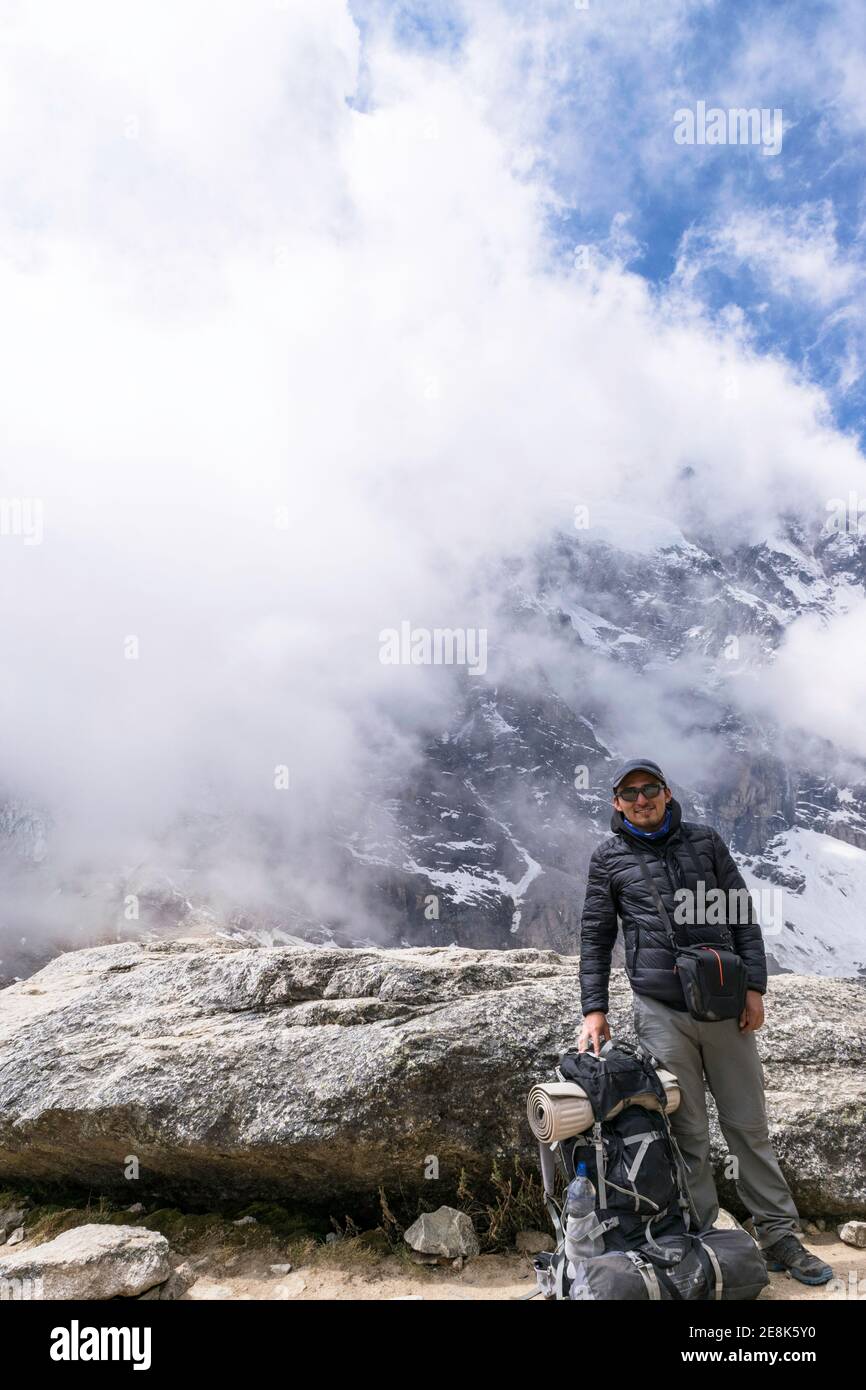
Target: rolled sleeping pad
x=672, y=1090
x=560, y=1109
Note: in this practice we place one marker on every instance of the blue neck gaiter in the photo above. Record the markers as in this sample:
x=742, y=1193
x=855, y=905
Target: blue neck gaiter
x=651, y=834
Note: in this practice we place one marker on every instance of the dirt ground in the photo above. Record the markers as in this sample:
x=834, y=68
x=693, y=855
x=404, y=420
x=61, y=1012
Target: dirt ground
x=245, y=1257
x=487, y=1277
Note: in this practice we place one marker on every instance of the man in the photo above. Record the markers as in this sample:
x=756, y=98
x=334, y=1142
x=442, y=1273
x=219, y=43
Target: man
x=647, y=820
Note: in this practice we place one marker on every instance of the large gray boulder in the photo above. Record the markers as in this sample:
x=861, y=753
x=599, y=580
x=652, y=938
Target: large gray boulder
x=222, y=1069
x=92, y=1261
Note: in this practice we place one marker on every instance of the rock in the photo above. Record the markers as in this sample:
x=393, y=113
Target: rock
x=136, y=1209
x=204, y=1290
x=16, y=1237
x=280, y=1269
x=93, y=1262
x=532, y=1242
x=246, y=1221
x=444, y=1232
x=291, y=1288
x=181, y=1278
x=726, y=1222
x=10, y=1219
x=320, y=1074
x=854, y=1233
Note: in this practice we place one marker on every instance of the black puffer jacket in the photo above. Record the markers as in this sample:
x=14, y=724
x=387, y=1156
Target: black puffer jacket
x=617, y=888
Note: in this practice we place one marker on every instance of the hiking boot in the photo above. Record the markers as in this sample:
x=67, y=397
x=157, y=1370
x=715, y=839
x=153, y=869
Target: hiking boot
x=788, y=1253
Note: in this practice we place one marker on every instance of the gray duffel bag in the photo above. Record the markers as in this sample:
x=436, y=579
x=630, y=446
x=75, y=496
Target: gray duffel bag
x=715, y=1264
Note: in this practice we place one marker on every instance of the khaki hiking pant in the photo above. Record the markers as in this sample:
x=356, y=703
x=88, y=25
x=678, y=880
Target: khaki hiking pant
x=730, y=1062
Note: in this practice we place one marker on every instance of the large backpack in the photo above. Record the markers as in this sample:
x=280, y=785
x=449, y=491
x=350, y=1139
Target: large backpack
x=643, y=1210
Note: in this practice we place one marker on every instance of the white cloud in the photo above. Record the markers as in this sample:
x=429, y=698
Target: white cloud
x=266, y=298
x=817, y=682
x=793, y=251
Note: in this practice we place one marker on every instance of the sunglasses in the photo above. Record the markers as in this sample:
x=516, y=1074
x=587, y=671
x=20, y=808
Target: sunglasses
x=649, y=789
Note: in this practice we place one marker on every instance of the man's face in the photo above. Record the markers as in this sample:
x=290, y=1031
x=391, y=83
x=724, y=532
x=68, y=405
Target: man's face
x=645, y=812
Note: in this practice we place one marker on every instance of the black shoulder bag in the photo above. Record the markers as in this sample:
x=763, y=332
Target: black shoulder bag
x=713, y=978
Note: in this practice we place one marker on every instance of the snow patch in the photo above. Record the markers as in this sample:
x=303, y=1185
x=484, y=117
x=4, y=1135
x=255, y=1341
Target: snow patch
x=827, y=915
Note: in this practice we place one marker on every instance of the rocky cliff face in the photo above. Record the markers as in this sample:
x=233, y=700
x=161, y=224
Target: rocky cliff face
x=199, y=1070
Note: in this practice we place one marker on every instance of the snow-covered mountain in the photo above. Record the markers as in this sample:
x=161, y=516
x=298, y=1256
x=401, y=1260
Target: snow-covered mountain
x=641, y=635
x=627, y=638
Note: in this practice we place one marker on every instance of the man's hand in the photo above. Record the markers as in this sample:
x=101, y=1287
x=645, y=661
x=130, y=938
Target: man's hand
x=752, y=1017
x=595, y=1031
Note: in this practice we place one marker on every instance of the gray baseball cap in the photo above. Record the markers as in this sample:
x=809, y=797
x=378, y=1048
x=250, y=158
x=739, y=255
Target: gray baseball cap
x=638, y=765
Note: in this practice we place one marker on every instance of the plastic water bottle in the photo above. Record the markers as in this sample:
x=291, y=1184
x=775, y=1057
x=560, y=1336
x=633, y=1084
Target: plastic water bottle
x=580, y=1205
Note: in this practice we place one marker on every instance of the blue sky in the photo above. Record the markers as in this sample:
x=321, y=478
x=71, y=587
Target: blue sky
x=782, y=237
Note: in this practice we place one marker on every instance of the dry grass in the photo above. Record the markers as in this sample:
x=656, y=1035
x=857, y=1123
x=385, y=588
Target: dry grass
x=511, y=1200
